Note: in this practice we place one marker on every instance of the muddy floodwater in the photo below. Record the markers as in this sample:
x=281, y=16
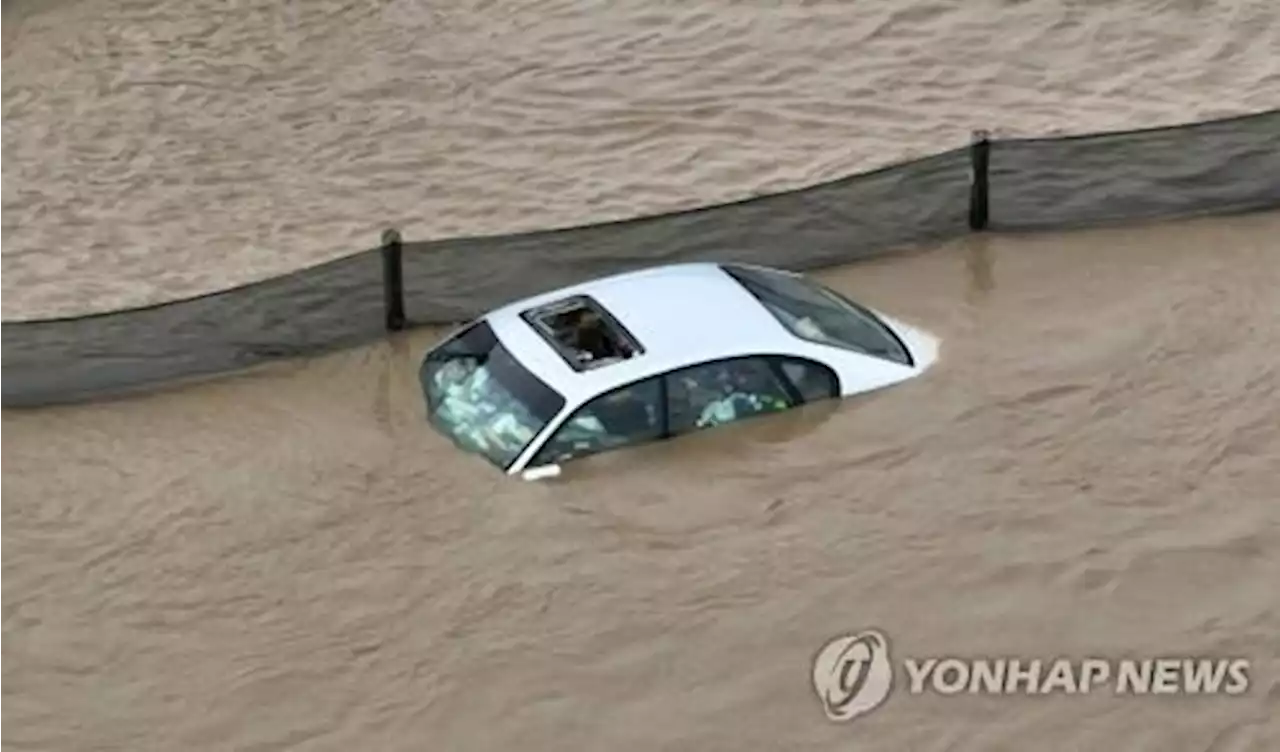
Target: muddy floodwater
x=290, y=558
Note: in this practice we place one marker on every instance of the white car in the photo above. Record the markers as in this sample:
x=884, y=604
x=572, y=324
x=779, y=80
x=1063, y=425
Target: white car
x=646, y=355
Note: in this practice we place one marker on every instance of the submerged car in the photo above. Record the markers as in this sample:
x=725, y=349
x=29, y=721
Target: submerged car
x=646, y=355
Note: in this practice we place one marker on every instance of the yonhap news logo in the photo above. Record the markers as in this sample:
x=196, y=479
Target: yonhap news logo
x=853, y=675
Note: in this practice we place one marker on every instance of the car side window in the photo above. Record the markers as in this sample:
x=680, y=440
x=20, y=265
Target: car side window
x=812, y=381
x=712, y=394
x=626, y=416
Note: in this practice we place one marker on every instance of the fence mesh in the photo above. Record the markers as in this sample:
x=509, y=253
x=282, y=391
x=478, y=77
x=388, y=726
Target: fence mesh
x=65, y=360
x=840, y=221
x=1219, y=167
x=1224, y=166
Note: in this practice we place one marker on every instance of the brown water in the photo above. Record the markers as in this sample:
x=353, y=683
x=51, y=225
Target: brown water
x=291, y=559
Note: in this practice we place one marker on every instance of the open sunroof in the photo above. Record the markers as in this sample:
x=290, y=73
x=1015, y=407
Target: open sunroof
x=585, y=334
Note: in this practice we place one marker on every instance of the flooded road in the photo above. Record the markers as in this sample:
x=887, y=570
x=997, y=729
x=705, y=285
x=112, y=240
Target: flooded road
x=291, y=559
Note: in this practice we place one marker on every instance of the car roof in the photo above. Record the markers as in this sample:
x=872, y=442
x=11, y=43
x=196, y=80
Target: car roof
x=680, y=314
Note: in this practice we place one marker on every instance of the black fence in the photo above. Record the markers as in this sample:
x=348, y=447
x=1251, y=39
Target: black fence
x=1218, y=167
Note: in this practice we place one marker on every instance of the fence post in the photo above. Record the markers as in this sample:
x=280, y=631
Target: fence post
x=392, y=280
x=979, y=180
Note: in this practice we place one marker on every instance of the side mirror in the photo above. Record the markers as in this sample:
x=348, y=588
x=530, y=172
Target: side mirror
x=541, y=473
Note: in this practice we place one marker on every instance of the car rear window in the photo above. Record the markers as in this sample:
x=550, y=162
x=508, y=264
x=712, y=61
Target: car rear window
x=481, y=397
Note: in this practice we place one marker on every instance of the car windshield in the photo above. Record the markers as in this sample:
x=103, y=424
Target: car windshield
x=812, y=312
x=483, y=399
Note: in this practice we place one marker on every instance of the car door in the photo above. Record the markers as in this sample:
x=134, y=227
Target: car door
x=724, y=391
x=811, y=381
x=627, y=416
